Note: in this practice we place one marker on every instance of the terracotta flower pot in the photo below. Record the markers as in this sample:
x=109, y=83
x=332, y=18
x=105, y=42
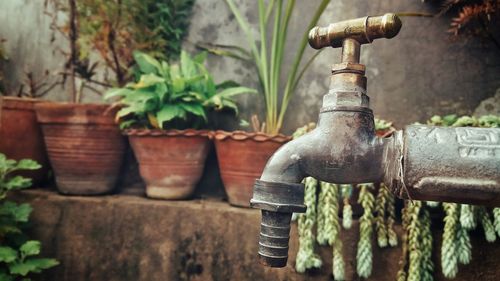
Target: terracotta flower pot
x=170, y=162
x=21, y=136
x=242, y=157
x=84, y=145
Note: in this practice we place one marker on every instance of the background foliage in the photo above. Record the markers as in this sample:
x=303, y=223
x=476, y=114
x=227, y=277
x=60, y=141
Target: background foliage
x=114, y=29
x=173, y=96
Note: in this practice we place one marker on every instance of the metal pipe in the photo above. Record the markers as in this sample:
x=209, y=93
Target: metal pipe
x=445, y=164
x=422, y=162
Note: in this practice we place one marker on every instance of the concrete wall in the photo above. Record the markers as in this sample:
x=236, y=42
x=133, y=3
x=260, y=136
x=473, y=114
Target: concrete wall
x=123, y=238
x=411, y=77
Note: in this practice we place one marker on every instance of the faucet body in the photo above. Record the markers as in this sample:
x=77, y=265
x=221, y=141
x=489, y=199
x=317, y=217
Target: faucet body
x=421, y=162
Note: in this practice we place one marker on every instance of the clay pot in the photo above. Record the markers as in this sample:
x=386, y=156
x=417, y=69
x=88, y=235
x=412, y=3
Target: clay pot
x=21, y=136
x=84, y=145
x=171, y=162
x=242, y=157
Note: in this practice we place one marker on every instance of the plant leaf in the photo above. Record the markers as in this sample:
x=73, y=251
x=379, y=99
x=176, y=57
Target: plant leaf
x=17, y=182
x=168, y=113
x=194, y=108
x=20, y=213
x=117, y=92
x=30, y=248
x=6, y=277
x=146, y=63
x=127, y=124
x=148, y=80
x=188, y=67
x=7, y=254
x=200, y=57
x=230, y=92
x=32, y=265
x=27, y=164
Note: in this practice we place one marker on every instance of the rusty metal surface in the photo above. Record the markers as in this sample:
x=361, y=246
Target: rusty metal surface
x=449, y=164
x=278, y=201
x=445, y=164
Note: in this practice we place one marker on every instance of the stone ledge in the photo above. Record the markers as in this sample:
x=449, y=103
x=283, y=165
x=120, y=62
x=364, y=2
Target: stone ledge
x=123, y=237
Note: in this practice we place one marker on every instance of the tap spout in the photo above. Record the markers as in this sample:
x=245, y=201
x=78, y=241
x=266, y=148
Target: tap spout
x=342, y=149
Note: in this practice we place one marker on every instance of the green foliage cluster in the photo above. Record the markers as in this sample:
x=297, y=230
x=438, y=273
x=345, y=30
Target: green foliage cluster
x=114, y=28
x=152, y=26
x=173, y=96
x=416, y=263
x=17, y=253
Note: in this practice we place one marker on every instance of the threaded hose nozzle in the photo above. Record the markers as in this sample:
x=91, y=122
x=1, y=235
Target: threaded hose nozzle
x=274, y=238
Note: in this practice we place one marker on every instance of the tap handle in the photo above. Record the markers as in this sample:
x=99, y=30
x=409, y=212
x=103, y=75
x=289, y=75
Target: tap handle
x=363, y=30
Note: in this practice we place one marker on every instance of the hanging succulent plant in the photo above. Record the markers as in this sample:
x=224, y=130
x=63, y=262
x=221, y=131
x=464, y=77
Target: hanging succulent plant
x=385, y=218
x=379, y=214
x=306, y=257
x=347, y=209
x=364, y=255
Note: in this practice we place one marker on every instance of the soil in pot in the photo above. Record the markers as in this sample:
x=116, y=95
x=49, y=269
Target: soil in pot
x=21, y=136
x=84, y=145
x=242, y=157
x=170, y=162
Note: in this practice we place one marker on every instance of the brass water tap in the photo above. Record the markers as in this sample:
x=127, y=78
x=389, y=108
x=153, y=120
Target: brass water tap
x=422, y=162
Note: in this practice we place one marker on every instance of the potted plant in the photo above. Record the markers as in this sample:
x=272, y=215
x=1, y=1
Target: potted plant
x=165, y=114
x=243, y=155
x=19, y=259
x=20, y=134
x=85, y=146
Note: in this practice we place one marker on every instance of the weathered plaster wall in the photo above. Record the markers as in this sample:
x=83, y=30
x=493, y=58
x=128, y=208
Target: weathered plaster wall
x=417, y=74
x=411, y=77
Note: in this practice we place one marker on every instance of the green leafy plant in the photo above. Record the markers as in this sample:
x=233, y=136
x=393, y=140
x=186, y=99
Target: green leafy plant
x=268, y=57
x=113, y=29
x=17, y=253
x=175, y=96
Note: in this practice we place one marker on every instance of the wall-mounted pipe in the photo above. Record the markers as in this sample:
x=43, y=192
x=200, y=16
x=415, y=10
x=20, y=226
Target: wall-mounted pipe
x=423, y=162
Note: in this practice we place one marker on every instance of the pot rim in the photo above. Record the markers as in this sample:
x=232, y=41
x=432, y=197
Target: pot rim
x=19, y=103
x=169, y=132
x=239, y=135
x=74, y=113
x=66, y=105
